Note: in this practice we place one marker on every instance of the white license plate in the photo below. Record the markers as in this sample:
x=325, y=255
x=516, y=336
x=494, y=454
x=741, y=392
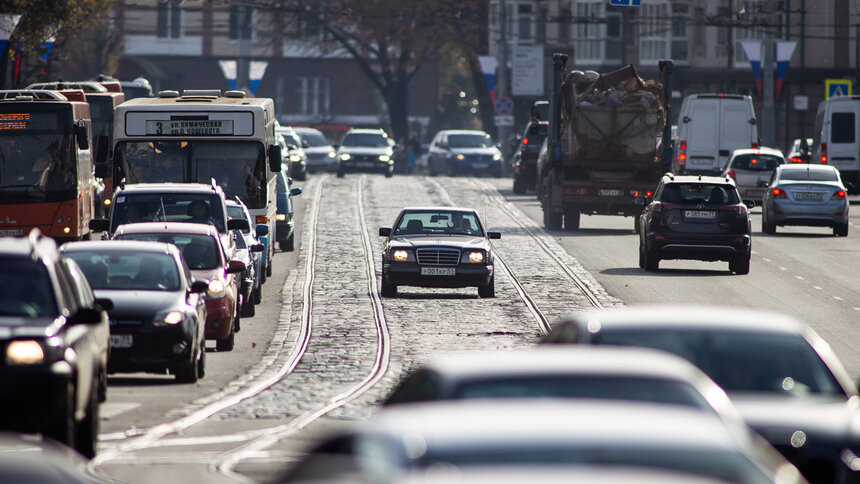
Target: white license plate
x=11, y=232
x=609, y=193
x=121, y=341
x=700, y=214
x=438, y=271
x=843, y=162
x=480, y=166
x=701, y=161
x=807, y=196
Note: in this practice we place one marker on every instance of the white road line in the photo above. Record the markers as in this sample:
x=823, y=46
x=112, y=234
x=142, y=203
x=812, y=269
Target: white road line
x=838, y=298
x=783, y=268
x=817, y=287
x=109, y=410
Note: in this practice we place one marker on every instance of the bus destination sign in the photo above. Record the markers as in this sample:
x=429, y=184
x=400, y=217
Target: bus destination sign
x=189, y=127
x=28, y=121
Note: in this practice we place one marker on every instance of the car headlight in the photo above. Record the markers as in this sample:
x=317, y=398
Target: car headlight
x=384, y=157
x=497, y=157
x=401, y=255
x=473, y=257
x=295, y=158
x=332, y=154
x=217, y=289
x=345, y=156
x=25, y=352
x=280, y=217
x=460, y=157
x=168, y=317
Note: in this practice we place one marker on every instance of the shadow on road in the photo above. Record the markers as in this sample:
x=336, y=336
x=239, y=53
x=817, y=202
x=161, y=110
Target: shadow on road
x=428, y=296
x=635, y=271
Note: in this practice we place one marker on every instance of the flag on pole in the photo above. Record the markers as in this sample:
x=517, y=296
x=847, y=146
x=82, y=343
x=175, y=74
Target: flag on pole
x=784, y=50
x=488, y=67
x=228, y=67
x=753, y=51
x=257, y=71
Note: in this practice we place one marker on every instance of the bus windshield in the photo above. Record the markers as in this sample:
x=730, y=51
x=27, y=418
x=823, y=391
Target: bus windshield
x=239, y=167
x=37, y=163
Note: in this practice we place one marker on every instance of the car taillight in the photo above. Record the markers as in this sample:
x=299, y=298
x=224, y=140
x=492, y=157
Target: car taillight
x=525, y=141
x=778, y=193
x=838, y=195
x=755, y=146
x=824, y=152
x=740, y=209
x=682, y=154
x=795, y=159
x=731, y=173
x=647, y=193
x=662, y=206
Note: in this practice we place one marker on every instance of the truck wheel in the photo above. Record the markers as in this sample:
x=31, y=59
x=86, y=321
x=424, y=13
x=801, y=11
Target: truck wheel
x=519, y=186
x=552, y=220
x=571, y=219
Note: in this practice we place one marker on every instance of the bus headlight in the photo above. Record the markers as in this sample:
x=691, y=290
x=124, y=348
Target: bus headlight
x=26, y=352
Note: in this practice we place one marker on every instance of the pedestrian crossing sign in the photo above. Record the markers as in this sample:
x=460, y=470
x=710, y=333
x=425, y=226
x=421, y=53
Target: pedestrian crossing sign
x=837, y=87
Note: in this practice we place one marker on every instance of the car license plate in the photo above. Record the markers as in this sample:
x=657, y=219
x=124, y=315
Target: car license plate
x=807, y=196
x=11, y=232
x=480, y=166
x=438, y=271
x=121, y=340
x=366, y=164
x=700, y=214
x=609, y=193
x=701, y=161
x=848, y=162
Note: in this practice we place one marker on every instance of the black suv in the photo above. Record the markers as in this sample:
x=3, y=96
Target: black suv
x=695, y=217
x=54, y=337
x=525, y=157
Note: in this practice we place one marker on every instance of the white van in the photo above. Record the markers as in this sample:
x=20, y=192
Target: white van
x=836, y=139
x=710, y=127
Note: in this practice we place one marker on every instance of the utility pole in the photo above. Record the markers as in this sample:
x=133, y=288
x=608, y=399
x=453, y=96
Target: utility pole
x=768, y=108
x=502, y=82
x=243, y=62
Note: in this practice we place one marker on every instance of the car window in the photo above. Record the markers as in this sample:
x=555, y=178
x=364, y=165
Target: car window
x=755, y=162
x=123, y=271
x=81, y=286
x=699, y=193
x=70, y=298
x=365, y=139
x=809, y=175
x=740, y=361
x=469, y=141
x=438, y=222
x=199, y=251
x=26, y=289
x=171, y=207
x=313, y=139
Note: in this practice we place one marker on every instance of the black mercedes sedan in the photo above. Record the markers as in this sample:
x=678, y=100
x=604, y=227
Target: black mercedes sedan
x=159, y=313
x=438, y=247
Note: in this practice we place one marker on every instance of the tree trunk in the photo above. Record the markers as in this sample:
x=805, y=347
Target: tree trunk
x=397, y=99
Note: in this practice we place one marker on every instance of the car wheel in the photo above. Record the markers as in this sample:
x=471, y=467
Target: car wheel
x=636, y=223
x=226, y=344
x=269, y=269
x=452, y=171
x=248, y=308
x=519, y=187
x=190, y=374
x=302, y=176
x=641, y=256
x=740, y=265
x=571, y=219
x=389, y=172
x=840, y=230
x=489, y=290
x=63, y=428
x=767, y=226
x=388, y=289
x=201, y=363
x=237, y=318
x=289, y=245
x=552, y=220
x=87, y=430
x=257, y=295
x=651, y=261
x=102, y=385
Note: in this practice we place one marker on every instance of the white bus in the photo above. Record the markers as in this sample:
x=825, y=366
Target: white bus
x=201, y=136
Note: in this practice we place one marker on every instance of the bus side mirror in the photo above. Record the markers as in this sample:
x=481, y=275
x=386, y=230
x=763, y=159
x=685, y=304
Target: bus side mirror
x=295, y=191
x=274, y=158
x=81, y=136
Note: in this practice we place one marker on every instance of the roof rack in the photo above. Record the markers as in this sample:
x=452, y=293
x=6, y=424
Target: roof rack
x=236, y=94
x=31, y=95
x=33, y=239
x=670, y=175
x=201, y=93
x=168, y=93
x=86, y=86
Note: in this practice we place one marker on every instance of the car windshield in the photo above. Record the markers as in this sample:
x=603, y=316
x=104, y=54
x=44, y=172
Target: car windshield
x=587, y=386
x=809, y=175
x=430, y=222
x=756, y=162
x=374, y=140
x=240, y=240
x=699, y=193
x=128, y=271
x=469, y=141
x=26, y=289
x=740, y=361
x=313, y=139
x=200, y=251
x=171, y=207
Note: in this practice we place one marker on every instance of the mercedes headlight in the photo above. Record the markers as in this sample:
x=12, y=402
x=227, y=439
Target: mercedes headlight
x=401, y=255
x=332, y=154
x=460, y=156
x=474, y=257
x=24, y=352
x=345, y=156
x=217, y=289
x=384, y=157
x=168, y=317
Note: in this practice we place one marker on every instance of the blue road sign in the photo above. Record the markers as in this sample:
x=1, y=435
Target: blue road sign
x=837, y=87
x=625, y=3
x=504, y=105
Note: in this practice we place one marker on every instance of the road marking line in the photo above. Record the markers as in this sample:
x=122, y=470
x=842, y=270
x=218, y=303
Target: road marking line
x=783, y=268
x=110, y=410
x=838, y=298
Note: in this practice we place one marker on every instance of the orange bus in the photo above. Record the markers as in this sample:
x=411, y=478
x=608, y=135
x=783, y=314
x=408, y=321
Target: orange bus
x=46, y=165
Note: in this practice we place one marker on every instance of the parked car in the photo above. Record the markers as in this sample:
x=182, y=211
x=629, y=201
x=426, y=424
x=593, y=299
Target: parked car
x=751, y=169
x=405, y=440
x=695, y=217
x=208, y=260
x=780, y=374
x=805, y=194
x=798, y=153
x=525, y=157
x=710, y=127
x=250, y=251
x=284, y=223
x=464, y=151
x=321, y=154
x=54, y=333
x=836, y=141
x=366, y=150
x=295, y=152
x=158, y=314
x=438, y=247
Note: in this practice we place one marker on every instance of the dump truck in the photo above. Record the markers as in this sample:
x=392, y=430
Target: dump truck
x=609, y=143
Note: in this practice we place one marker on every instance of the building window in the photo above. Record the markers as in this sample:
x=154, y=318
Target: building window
x=654, y=32
x=169, y=21
x=314, y=95
x=614, y=45
x=524, y=22
x=680, y=44
x=241, y=22
x=589, y=31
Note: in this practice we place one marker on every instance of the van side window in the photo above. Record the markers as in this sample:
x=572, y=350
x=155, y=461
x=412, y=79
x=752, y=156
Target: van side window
x=842, y=128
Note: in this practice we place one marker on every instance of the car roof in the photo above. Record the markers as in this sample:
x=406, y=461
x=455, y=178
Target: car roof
x=119, y=246
x=806, y=167
x=704, y=180
x=758, y=151
x=440, y=208
x=566, y=360
x=368, y=130
x=168, y=227
x=167, y=187
x=35, y=245
x=464, y=131
x=689, y=317
x=542, y=422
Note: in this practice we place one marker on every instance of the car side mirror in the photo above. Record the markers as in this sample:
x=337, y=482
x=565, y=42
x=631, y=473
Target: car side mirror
x=274, y=153
x=761, y=184
x=751, y=121
x=235, y=267
x=385, y=231
x=262, y=229
x=81, y=137
x=99, y=225
x=295, y=191
x=86, y=316
x=256, y=248
x=199, y=286
x=104, y=303
x=640, y=201
x=686, y=119
x=494, y=235
x=238, y=224
x=305, y=143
